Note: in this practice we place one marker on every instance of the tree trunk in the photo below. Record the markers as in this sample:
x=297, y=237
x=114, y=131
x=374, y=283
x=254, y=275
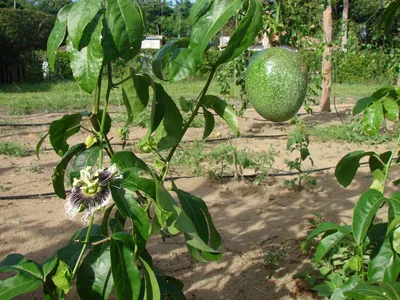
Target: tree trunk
x=326, y=60
x=345, y=24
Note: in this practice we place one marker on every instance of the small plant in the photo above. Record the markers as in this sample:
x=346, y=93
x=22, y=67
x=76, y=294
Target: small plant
x=273, y=258
x=13, y=149
x=363, y=259
x=36, y=167
x=299, y=141
x=226, y=155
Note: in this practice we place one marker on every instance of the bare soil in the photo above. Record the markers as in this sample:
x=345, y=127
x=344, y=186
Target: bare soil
x=251, y=219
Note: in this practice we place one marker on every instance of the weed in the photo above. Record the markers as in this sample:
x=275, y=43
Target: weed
x=352, y=132
x=191, y=156
x=2, y=188
x=36, y=167
x=273, y=258
x=13, y=149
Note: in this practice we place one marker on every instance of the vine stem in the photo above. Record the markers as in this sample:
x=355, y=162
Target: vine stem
x=193, y=115
x=85, y=244
x=389, y=163
x=103, y=118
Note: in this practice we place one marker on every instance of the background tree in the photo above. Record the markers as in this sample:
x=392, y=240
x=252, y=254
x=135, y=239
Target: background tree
x=327, y=59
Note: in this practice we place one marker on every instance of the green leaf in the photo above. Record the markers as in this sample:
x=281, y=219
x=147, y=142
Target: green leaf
x=80, y=15
x=396, y=240
x=384, y=92
x=58, y=174
x=394, y=206
x=63, y=277
x=182, y=64
x=391, y=109
x=49, y=265
x=209, y=123
x=327, y=243
x=199, y=8
x=61, y=130
x=104, y=222
x=57, y=34
x=347, y=167
x=128, y=161
x=95, y=280
x=125, y=25
x=169, y=132
x=196, y=209
x=125, y=271
x=171, y=286
x=245, y=32
x=209, y=24
x=39, y=144
x=95, y=120
x=324, y=227
x=135, y=94
x=129, y=207
x=224, y=110
x=29, y=276
x=86, y=63
x=178, y=221
x=152, y=290
x=338, y=294
x=388, y=18
x=364, y=291
x=162, y=58
x=364, y=211
x=384, y=264
x=362, y=104
x=86, y=158
x=372, y=120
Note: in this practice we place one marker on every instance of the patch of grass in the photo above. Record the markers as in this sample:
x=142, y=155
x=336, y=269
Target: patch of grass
x=352, y=132
x=36, y=167
x=13, y=149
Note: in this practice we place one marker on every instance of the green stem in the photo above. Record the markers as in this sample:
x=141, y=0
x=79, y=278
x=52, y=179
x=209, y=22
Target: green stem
x=194, y=114
x=122, y=81
x=103, y=118
x=85, y=244
x=97, y=93
x=389, y=164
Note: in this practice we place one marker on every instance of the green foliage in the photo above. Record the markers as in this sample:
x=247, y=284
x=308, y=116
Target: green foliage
x=21, y=33
x=109, y=257
x=13, y=149
x=352, y=132
x=299, y=141
x=62, y=69
x=351, y=259
x=372, y=66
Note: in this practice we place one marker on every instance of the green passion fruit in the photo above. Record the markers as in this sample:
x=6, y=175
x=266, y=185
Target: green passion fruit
x=276, y=83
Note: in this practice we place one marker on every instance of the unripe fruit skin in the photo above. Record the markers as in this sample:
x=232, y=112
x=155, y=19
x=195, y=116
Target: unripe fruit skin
x=276, y=83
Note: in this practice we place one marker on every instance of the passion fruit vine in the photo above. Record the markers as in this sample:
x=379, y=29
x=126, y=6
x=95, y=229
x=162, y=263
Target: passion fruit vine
x=276, y=83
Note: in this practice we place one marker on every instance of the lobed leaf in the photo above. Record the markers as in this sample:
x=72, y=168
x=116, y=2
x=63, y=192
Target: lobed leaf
x=364, y=291
x=209, y=121
x=152, y=290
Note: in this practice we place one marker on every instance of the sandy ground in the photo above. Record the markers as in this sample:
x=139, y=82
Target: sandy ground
x=251, y=219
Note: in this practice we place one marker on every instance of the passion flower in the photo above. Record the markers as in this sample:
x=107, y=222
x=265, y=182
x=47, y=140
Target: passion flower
x=91, y=192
